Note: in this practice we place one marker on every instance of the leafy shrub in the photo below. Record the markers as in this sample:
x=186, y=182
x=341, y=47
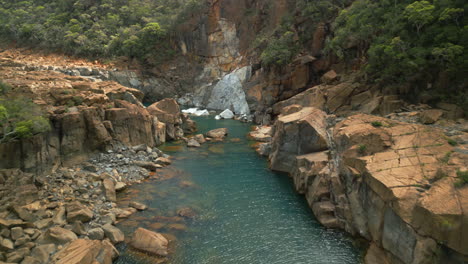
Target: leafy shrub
x=4, y=88
x=376, y=124
x=21, y=118
x=280, y=51
x=452, y=142
x=362, y=149
x=462, y=178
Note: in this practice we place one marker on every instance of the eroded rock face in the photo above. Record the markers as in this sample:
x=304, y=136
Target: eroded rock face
x=150, y=242
x=228, y=93
x=168, y=112
x=390, y=182
x=296, y=134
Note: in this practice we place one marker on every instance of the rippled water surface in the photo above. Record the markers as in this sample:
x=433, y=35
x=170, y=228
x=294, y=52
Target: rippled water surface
x=245, y=213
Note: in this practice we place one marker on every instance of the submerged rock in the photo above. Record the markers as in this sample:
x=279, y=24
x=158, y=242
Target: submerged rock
x=218, y=133
x=193, y=143
x=138, y=206
x=150, y=242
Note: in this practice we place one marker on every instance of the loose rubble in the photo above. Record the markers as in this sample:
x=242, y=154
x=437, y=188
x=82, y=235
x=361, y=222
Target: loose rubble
x=68, y=216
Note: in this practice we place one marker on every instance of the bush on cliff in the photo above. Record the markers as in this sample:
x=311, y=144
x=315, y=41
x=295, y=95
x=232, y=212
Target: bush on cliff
x=20, y=118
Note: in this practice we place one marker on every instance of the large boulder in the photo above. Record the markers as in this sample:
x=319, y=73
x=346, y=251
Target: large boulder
x=229, y=92
x=83, y=251
x=297, y=134
x=150, y=242
x=166, y=110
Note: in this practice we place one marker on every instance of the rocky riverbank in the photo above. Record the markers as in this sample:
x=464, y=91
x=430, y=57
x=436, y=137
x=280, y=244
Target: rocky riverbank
x=393, y=181
x=58, y=188
x=62, y=217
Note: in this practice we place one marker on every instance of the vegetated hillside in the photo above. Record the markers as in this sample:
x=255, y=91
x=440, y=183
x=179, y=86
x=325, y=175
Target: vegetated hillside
x=415, y=46
x=103, y=28
x=419, y=46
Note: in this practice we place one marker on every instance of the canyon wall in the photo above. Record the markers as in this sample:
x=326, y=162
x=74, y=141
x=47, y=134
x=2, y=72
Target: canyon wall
x=394, y=183
x=86, y=117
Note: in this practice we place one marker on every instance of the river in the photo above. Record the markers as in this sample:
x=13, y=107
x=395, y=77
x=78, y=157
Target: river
x=245, y=213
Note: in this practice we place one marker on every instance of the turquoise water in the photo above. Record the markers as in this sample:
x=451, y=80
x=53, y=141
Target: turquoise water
x=244, y=212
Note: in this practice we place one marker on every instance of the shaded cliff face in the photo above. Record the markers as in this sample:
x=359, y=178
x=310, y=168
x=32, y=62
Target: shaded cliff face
x=85, y=115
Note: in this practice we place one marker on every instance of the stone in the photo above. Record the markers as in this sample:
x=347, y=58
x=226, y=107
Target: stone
x=109, y=190
x=376, y=255
x=264, y=149
x=16, y=233
x=329, y=77
x=5, y=233
x=22, y=241
x=113, y=233
x=120, y=186
x=430, y=116
x=78, y=228
x=138, y=206
x=200, y=138
x=60, y=216
x=141, y=147
x=43, y=252
x=8, y=223
x=166, y=110
x=163, y=161
x=227, y=114
x=83, y=251
x=30, y=260
x=149, y=242
x=96, y=234
x=57, y=235
x=297, y=134
x=218, y=133
x=186, y=212
x=147, y=165
x=41, y=224
x=78, y=212
x=262, y=134
x=6, y=244
x=17, y=255
x=193, y=143
x=229, y=93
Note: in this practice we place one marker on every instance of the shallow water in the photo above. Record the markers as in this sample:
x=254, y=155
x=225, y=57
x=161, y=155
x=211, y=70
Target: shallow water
x=245, y=212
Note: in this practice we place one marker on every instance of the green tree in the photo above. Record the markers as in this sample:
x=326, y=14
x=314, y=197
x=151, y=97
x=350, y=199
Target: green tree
x=419, y=13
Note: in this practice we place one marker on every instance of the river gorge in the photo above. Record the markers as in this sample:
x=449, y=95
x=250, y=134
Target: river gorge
x=245, y=213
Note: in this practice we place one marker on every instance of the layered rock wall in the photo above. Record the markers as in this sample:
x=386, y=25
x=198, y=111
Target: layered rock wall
x=393, y=183
x=85, y=117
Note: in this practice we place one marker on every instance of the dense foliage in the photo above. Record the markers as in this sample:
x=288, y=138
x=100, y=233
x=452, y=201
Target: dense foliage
x=401, y=40
x=19, y=117
x=104, y=28
x=285, y=41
